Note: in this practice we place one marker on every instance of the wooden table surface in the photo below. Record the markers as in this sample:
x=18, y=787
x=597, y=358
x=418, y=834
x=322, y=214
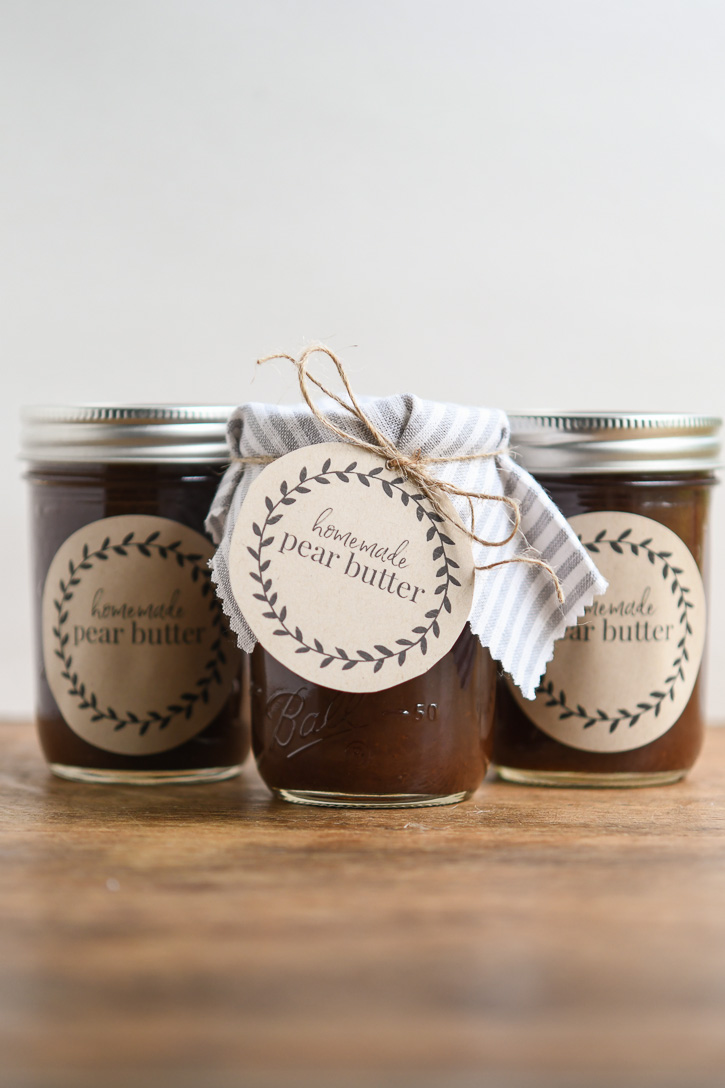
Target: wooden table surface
x=209, y=936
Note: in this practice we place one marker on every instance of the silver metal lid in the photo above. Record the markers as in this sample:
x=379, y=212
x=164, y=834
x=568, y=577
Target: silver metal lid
x=131, y=432
x=615, y=442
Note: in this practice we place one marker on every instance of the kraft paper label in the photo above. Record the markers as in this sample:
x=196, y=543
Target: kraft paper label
x=623, y=675
x=345, y=572
x=136, y=648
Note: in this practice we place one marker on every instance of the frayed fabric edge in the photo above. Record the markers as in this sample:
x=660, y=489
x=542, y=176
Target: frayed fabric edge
x=246, y=640
x=577, y=612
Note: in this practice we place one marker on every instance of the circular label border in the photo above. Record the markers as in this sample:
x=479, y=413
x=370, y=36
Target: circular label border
x=663, y=557
x=58, y=594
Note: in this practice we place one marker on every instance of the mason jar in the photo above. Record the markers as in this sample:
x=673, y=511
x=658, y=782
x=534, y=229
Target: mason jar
x=138, y=679
x=620, y=703
x=423, y=742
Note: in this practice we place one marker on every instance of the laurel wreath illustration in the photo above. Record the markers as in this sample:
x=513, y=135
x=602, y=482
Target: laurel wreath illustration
x=382, y=654
x=656, y=699
x=199, y=690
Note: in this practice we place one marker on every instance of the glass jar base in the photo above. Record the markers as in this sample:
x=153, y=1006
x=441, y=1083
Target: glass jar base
x=144, y=778
x=588, y=779
x=369, y=800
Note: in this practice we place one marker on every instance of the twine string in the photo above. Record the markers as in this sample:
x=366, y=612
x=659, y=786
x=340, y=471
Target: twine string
x=413, y=467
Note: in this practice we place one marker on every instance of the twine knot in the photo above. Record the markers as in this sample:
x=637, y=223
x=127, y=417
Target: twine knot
x=414, y=467
x=403, y=464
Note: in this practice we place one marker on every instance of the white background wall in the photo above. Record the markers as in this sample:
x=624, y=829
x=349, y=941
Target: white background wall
x=501, y=201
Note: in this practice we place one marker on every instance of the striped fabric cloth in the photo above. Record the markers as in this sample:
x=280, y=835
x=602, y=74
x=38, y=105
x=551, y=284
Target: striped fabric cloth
x=515, y=610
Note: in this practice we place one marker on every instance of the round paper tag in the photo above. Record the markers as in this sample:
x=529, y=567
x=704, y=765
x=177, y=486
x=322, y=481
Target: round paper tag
x=623, y=675
x=345, y=572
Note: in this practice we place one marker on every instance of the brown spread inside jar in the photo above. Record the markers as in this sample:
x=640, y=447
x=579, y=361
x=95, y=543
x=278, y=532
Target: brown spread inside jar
x=426, y=741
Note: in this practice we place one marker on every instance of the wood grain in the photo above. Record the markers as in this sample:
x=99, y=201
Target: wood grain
x=209, y=936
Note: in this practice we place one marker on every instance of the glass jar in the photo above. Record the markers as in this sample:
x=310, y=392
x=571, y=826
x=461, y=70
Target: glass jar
x=621, y=701
x=138, y=678
x=423, y=742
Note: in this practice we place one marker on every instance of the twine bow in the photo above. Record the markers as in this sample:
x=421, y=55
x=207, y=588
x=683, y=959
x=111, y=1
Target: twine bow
x=414, y=468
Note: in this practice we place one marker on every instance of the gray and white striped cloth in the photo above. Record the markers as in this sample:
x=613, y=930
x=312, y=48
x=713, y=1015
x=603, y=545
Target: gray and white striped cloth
x=515, y=611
